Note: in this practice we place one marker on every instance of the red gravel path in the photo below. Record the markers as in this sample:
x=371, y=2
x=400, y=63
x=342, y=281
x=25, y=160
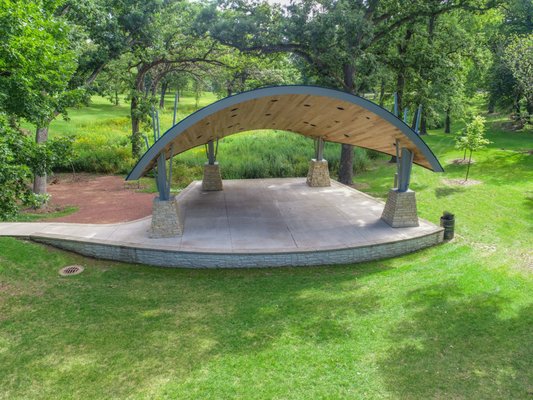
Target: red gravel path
x=99, y=199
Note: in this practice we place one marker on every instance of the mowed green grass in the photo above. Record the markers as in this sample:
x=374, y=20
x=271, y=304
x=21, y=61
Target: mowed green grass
x=451, y=322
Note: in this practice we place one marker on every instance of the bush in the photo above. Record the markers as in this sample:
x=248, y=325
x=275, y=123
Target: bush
x=256, y=154
x=264, y=154
x=20, y=159
x=102, y=154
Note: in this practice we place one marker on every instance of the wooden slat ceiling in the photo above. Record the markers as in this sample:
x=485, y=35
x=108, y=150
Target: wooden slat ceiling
x=310, y=115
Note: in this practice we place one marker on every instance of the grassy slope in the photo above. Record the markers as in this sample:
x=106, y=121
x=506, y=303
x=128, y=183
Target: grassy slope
x=453, y=321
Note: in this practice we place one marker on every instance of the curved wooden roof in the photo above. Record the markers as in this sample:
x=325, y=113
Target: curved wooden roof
x=308, y=110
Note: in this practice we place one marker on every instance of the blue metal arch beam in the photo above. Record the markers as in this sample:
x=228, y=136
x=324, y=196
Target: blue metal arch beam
x=148, y=159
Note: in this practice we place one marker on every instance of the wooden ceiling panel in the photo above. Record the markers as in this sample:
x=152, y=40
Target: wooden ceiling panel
x=314, y=112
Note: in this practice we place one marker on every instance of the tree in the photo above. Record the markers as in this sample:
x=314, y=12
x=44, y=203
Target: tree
x=519, y=58
x=472, y=139
x=21, y=159
x=336, y=38
x=245, y=71
x=515, y=18
x=174, y=48
x=113, y=80
x=37, y=62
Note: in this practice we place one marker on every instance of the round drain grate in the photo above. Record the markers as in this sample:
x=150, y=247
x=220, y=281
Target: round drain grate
x=71, y=270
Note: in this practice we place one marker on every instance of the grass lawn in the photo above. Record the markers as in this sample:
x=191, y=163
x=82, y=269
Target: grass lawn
x=450, y=322
x=29, y=216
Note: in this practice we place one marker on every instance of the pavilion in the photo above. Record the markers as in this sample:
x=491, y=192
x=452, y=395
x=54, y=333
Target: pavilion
x=265, y=222
x=319, y=113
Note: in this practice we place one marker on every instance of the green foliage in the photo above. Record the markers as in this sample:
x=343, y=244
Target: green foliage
x=13, y=174
x=36, y=61
x=264, y=154
x=472, y=139
x=107, y=156
x=21, y=159
x=514, y=28
x=519, y=58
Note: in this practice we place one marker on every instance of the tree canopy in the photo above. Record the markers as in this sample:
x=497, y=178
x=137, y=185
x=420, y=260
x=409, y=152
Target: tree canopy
x=55, y=54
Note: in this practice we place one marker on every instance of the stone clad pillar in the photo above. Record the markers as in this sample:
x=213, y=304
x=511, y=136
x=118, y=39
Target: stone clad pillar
x=212, y=180
x=400, y=210
x=318, y=174
x=166, y=219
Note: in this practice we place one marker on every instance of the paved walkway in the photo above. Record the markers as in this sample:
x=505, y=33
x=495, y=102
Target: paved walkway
x=249, y=216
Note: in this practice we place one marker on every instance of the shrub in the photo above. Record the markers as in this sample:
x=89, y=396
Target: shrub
x=99, y=153
x=20, y=159
x=265, y=154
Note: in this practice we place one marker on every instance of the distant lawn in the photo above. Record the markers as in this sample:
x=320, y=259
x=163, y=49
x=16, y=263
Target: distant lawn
x=102, y=131
x=450, y=322
x=32, y=216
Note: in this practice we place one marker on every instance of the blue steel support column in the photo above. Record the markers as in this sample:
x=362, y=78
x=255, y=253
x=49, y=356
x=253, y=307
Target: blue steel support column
x=397, y=148
x=211, y=152
x=176, y=101
x=418, y=117
x=170, y=160
x=406, y=164
x=319, y=149
x=162, y=185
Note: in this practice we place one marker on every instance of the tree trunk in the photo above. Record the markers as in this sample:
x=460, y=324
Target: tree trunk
x=400, y=85
x=346, y=161
x=346, y=164
x=116, y=97
x=135, y=127
x=447, y=122
x=382, y=93
x=517, y=107
x=243, y=79
x=164, y=87
x=492, y=106
x=39, y=182
x=468, y=166
x=138, y=90
x=423, y=125
x=529, y=109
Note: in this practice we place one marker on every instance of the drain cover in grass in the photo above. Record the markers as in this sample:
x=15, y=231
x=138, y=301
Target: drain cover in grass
x=71, y=270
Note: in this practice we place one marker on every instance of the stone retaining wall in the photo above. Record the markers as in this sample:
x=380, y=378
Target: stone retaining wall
x=171, y=258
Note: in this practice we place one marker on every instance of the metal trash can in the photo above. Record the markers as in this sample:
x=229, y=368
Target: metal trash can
x=447, y=221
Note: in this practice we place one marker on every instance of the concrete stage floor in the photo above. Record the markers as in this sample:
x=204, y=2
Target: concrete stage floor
x=256, y=222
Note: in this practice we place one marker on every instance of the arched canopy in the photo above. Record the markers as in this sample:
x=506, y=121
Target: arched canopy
x=311, y=111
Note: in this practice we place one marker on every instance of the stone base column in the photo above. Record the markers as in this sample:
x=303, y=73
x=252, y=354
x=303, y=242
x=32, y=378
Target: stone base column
x=400, y=209
x=318, y=175
x=212, y=180
x=166, y=219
